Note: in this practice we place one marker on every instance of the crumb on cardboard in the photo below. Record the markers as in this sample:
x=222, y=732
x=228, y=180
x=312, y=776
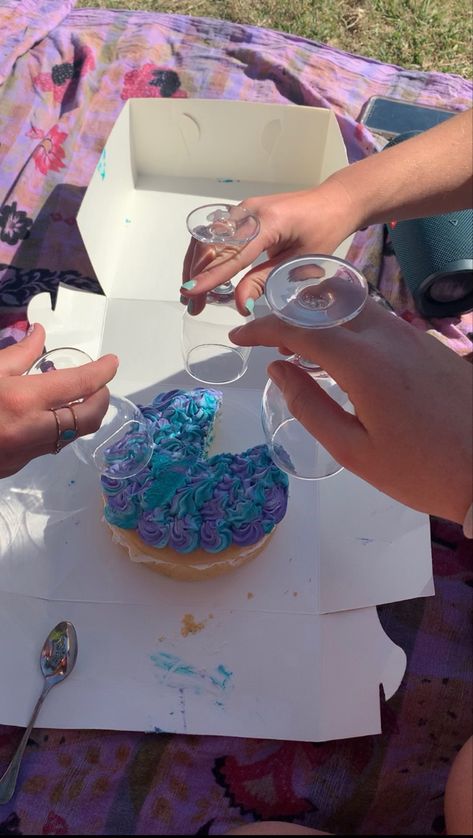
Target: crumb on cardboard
x=189, y=624
x=295, y=593
x=250, y=595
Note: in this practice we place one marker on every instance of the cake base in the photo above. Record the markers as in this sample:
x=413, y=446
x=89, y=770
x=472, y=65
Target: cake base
x=189, y=567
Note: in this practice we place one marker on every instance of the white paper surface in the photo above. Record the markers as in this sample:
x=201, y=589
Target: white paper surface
x=136, y=672
x=270, y=659
x=295, y=674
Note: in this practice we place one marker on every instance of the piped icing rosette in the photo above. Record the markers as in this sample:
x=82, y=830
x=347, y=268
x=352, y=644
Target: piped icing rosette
x=185, y=500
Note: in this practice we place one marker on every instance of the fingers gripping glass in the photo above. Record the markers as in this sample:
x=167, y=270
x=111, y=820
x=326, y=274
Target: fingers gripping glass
x=209, y=355
x=123, y=445
x=223, y=225
x=311, y=292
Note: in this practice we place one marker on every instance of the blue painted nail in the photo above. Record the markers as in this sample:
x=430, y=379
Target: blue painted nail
x=249, y=305
x=189, y=285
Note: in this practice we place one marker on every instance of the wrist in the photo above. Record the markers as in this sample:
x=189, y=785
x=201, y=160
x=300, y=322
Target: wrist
x=349, y=200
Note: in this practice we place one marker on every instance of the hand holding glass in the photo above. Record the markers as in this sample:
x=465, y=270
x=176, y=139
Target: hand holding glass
x=123, y=445
x=310, y=292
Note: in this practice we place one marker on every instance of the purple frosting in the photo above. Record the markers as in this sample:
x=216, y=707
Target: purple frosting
x=212, y=502
x=153, y=529
x=249, y=533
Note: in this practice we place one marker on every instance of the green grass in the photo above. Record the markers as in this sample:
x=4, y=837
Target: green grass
x=418, y=34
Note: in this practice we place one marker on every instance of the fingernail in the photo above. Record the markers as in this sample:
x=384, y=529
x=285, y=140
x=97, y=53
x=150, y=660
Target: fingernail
x=277, y=374
x=249, y=305
x=30, y=330
x=189, y=285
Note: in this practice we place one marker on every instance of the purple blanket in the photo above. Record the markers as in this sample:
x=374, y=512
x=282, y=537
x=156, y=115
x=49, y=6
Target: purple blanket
x=64, y=76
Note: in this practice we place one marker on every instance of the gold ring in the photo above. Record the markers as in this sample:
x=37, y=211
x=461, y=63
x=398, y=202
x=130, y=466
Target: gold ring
x=76, y=423
x=57, y=444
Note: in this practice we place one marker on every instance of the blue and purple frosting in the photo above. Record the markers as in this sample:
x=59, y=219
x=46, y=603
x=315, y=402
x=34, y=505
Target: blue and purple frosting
x=186, y=500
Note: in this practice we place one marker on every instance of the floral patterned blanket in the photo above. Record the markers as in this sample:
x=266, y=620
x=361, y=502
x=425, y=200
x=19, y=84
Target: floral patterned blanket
x=64, y=76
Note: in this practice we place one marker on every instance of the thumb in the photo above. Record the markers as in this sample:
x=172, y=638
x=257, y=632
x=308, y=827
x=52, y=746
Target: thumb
x=341, y=433
x=19, y=357
x=252, y=284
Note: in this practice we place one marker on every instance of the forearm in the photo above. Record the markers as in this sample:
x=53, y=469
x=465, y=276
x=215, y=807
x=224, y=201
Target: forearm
x=429, y=174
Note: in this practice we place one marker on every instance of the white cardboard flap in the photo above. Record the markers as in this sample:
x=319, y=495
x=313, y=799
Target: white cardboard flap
x=357, y=670
x=372, y=549
x=164, y=157
x=101, y=216
x=223, y=139
x=269, y=675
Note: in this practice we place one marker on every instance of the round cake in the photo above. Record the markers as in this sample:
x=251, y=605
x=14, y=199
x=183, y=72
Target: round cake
x=187, y=514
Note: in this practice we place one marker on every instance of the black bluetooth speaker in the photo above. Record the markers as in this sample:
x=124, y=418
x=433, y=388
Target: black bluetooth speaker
x=435, y=255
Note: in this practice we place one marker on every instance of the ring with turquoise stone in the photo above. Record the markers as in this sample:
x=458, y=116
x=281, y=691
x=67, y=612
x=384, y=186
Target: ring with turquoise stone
x=66, y=435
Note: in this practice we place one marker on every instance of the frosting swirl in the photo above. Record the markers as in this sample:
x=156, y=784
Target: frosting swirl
x=184, y=500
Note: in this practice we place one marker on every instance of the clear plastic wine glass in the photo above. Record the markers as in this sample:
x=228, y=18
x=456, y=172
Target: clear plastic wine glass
x=123, y=445
x=311, y=292
x=209, y=355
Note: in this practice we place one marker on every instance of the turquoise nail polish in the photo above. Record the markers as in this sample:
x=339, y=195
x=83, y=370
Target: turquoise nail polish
x=189, y=285
x=249, y=305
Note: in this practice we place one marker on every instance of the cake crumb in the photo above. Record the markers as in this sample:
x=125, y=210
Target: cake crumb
x=295, y=593
x=249, y=595
x=161, y=639
x=191, y=626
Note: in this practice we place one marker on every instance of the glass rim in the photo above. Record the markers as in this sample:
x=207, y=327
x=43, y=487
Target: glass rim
x=315, y=257
x=60, y=349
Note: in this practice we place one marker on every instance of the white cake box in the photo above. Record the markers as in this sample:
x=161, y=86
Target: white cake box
x=289, y=646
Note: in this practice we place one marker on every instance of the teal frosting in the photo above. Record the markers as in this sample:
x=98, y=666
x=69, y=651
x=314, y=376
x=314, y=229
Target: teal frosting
x=184, y=499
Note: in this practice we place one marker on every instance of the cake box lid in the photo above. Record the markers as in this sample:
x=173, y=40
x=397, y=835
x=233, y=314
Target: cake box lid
x=289, y=646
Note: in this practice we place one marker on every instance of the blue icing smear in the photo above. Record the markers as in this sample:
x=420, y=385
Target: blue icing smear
x=222, y=678
x=181, y=675
x=101, y=165
x=184, y=499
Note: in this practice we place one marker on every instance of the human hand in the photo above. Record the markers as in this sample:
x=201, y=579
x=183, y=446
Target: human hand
x=291, y=224
x=411, y=435
x=27, y=425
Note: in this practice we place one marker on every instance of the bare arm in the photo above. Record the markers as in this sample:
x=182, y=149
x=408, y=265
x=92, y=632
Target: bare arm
x=426, y=175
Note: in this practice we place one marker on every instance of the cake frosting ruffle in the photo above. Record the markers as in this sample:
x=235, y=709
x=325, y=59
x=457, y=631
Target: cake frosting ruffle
x=186, y=500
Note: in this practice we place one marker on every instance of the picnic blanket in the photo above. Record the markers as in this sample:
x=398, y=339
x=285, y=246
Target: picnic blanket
x=64, y=76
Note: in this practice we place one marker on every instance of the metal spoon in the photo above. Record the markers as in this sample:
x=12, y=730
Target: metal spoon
x=58, y=657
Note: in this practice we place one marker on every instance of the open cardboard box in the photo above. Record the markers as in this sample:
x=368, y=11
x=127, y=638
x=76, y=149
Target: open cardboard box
x=290, y=646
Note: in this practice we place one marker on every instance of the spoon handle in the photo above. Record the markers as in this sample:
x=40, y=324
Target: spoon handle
x=8, y=781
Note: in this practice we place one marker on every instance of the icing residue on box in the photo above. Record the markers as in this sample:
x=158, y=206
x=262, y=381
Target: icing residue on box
x=179, y=674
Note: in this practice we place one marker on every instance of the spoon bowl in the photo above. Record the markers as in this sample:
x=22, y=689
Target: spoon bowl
x=59, y=653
